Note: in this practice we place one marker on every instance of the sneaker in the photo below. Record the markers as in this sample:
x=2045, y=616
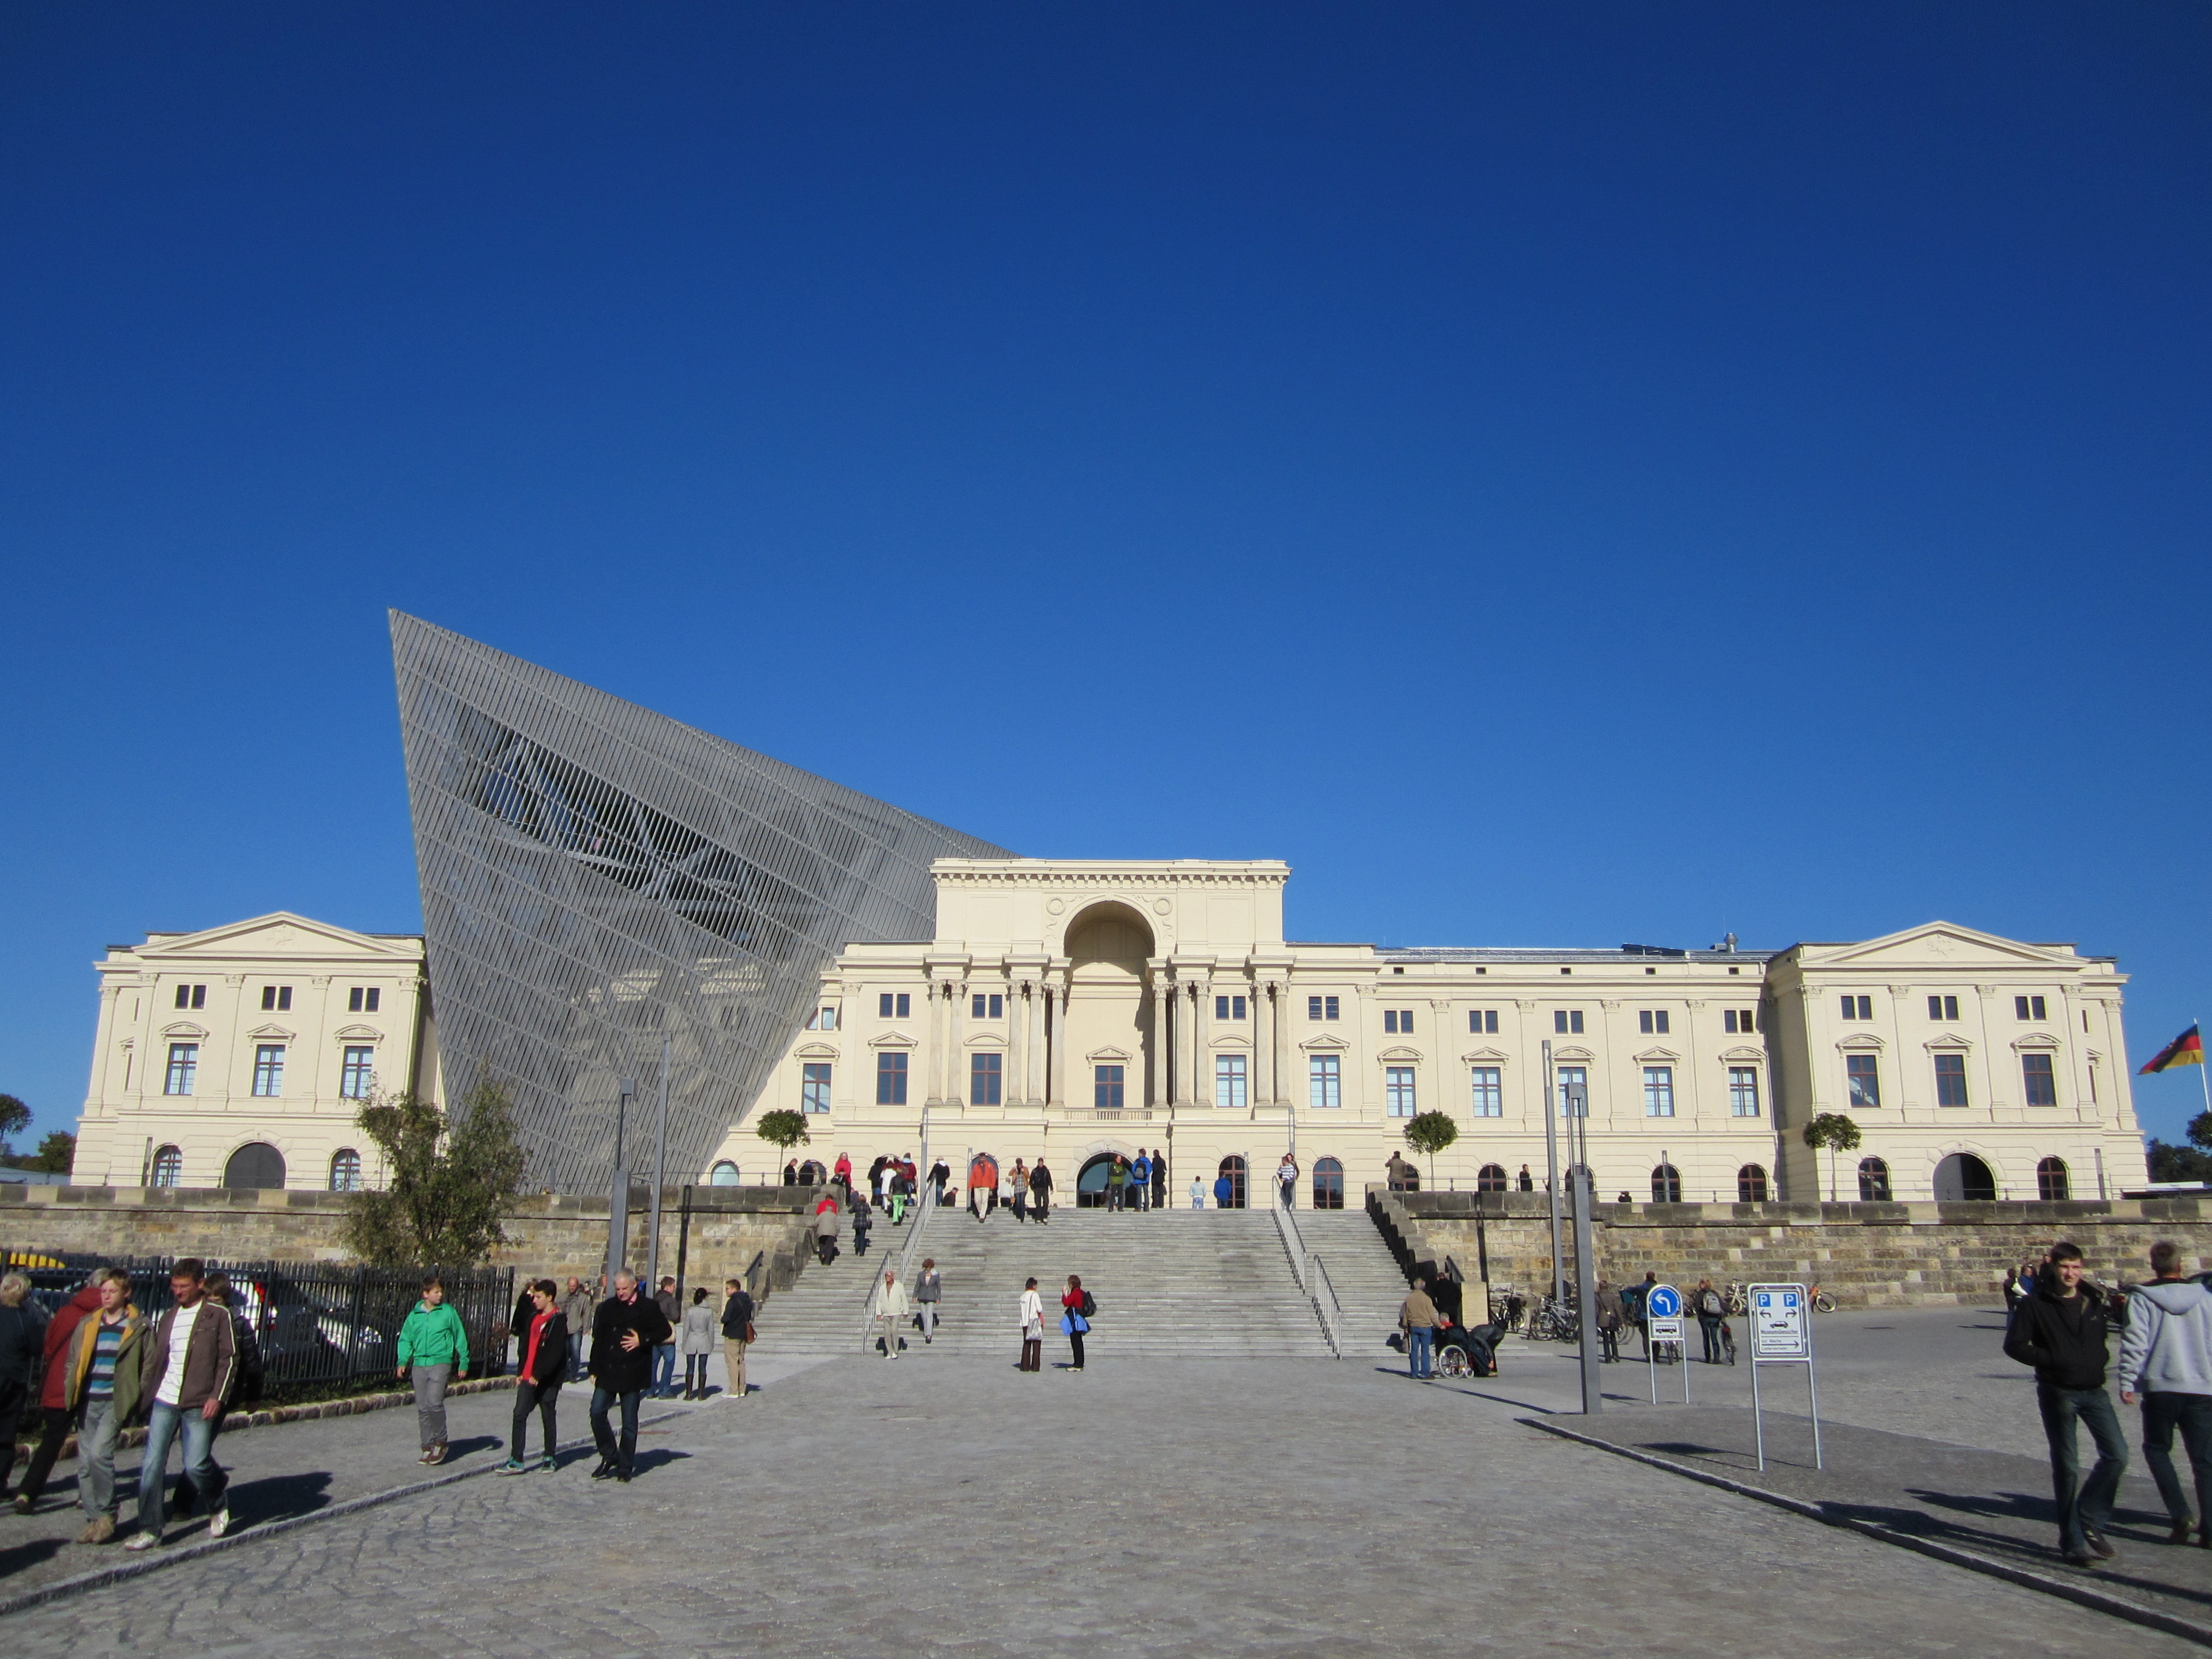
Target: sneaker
x=437, y=1454
x=23, y=1504
x=219, y=1523
x=2100, y=1545
x=101, y=1531
x=2184, y=1530
x=430, y=1456
x=547, y=1466
x=142, y=1540
x=515, y=1466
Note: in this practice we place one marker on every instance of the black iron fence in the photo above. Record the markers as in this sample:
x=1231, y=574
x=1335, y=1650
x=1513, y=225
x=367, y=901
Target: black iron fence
x=319, y=1324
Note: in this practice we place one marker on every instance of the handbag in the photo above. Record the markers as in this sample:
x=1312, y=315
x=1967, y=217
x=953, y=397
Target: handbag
x=750, y=1337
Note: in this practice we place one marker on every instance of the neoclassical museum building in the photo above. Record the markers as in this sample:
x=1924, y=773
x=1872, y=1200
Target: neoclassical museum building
x=619, y=908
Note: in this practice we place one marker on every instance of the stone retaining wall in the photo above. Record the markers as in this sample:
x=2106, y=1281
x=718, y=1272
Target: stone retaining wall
x=550, y=1235
x=1870, y=1255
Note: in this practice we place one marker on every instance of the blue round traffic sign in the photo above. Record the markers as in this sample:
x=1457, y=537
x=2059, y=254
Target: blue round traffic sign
x=1663, y=1302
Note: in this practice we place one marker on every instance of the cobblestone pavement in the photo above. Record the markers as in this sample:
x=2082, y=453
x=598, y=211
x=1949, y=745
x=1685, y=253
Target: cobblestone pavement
x=1286, y=1507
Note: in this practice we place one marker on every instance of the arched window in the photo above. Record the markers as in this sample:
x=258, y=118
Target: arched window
x=1874, y=1180
x=2051, y=1182
x=257, y=1163
x=1232, y=1167
x=1327, y=1184
x=1750, y=1185
x=1666, y=1185
x=1964, y=1177
x=1492, y=1178
x=724, y=1174
x=168, y=1167
x=345, y=1171
x=812, y=1174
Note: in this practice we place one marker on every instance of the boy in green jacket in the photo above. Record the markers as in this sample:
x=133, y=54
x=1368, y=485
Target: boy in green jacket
x=432, y=1345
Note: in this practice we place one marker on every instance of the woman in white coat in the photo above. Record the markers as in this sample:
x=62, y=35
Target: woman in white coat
x=891, y=1311
x=700, y=1332
x=1032, y=1328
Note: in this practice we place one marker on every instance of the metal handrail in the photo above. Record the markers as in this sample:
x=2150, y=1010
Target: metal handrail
x=924, y=1207
x=1331, y=1311
x=1312, y=1277
x=1294, y=1245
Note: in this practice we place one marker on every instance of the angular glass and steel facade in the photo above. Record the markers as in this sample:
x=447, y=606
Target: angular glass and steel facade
x=596, y=877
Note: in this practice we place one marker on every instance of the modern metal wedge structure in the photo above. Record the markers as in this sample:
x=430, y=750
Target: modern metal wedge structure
x=596, y=877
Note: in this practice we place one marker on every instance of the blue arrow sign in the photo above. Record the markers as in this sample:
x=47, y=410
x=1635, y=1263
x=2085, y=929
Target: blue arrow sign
x=1662, y=1302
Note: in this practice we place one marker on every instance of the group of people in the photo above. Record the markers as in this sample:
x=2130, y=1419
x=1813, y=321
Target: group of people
x=1028, y=1191
x=1077, y=1307
x=1137, y=1183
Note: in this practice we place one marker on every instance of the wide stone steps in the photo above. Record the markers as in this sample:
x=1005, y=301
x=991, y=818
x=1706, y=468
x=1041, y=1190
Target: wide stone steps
x=1365, y=1276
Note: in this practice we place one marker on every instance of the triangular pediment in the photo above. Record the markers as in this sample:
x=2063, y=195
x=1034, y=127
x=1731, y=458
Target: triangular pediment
x=1326, y=1041
x=1861, y=1043
x=278, y=1032
x=893, y=1040
x=1485, y=1056
x=1940, y=945
x=1658, y=1057
x=282, y=934
x=1108, y=1056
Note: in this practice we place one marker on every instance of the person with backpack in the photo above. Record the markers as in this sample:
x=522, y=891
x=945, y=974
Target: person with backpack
x=928, y=1292
x=433, y=1346
x=1711, y=1308
x=540, y=1369
x=1140, y=1180
x=1117, y=1183
x=2062, y=1330
x=1077, y=1305
x=737, y=1331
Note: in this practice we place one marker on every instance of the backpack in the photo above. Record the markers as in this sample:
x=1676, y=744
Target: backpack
x=1090, y=1305
x=252, y=1375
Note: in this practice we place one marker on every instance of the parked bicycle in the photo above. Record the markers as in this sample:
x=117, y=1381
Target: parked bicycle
x=1738, y=1297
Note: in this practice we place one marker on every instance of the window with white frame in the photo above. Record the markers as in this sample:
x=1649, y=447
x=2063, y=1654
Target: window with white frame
x=1863, y=1079
x=1739, y=1019
x=345, y=1171
x=1230, y=1007
x=2039, y=1078
x=986, y=1079
x=814, y=1086
x=2029, y=1008
x=1567, y=1021
x=823, y=1019
x=891, y=1077
x=191, y=996
x=1106, y=1088
x=1398, y=1022
x=1858, y=1008
x=269, y=1069
x=1571, y=1079
x=357, y=1076
x=1482, y=1021
x=895, y=1004
x=1323, y=1008
x=1398, y=1090
x=1229, y=1080
x=363, y=1000
x=1652, y=1022
x=168, y=1167
x=988, y=1005
x=1489, y=1092
x=183, y=1068
x=1743, y=1092
x=1658, y=1091
x=1325, y=1080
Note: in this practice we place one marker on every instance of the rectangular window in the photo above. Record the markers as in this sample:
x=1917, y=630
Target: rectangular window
x=1489, y=1095
x=2042, y=1085
x=823, y=1019
x=358, y=1074
x=1398, y=1090
x=1324, y=1080
x=1652, y=1021
x=1743, y=1020
x=191, y=996
x=814, y=1086
x=985, y=1075
x=1573, y=1078
x=1229, y=1080
x=184, y=1068
x=277, y=998
x=1567, y=1021
x=1861, y=1076
x=1858, y=1008
x=1106, y=1088
x=2029, y=1007
x=1228, y=1007
x=269, y=1069
x=1942, y=1007
x=992, y=1006
x=1479, y=1020
x=1399, y=1021
x=1658, y=1091
x=364, y=998
x=1950, y=1080
x=895, y=1004
x=1743, y=1092
x=1321, y=1007
x=890, y=1080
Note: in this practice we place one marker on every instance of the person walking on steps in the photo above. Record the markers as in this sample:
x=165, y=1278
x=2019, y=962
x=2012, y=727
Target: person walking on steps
x=698, y=1343
x=2166, y=1358
x=826, y=1227
x=53, y=1403
x=1040, y=1192
x=625, y=1331
x=863, y=1219
x=576, y=1304
x=186, y=1369
x=1417, y=1317
x=928, y=1291
x=1712, y=1308
x=1286, y=1181
x=434, y=1347
x=1075, y=1308
x=2061, y=1330
x=99, y=1373
x=1032, y=1316
x=737, y=1331
x=539, y=1375
x=892, y=1309
x=1017, y=1189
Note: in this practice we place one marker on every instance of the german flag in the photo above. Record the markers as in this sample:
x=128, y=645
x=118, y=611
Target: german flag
x=2187, y=1050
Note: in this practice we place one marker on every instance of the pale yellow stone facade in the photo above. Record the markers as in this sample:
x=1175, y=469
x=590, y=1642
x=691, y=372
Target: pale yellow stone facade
x=213, y=1046
x=1052, y=983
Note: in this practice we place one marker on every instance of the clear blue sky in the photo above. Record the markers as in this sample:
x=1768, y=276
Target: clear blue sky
x=1555, y=476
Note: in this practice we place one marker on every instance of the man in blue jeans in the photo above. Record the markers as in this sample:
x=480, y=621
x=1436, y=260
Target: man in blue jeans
x=1416, y=1316
x=2166, y=1356
x=188, y=1364
x=2061, y=1329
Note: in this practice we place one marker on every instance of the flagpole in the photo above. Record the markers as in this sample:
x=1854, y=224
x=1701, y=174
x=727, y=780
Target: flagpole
x=2201, y=1069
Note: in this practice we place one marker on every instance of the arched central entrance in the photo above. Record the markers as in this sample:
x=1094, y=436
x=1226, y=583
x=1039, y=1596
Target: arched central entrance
x=1107, y=1059
x=1964, y=1178
x=1232, y=1167
x=1090, y=1182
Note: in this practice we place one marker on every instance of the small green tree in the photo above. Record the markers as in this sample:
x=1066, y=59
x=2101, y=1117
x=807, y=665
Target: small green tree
x=15, y=1118
x=1431, y=1133
x=56, y=1153
x=447, y=1183
x=1838, y=1134
x=783, y=1130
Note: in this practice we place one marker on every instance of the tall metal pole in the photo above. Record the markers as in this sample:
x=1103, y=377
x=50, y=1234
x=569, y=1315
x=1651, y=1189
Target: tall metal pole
x=659, y=1158
x=618, y=1208
x=1585, y=1258
x=1551, y=1163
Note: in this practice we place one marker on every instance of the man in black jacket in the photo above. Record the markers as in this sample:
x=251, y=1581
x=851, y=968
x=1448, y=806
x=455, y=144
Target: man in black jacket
x=736, y=1327
x=625, y=1331
x=2061, y=1329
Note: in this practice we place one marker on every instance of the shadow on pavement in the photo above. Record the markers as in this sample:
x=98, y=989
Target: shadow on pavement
x=278, y=1498
x=35, y=1552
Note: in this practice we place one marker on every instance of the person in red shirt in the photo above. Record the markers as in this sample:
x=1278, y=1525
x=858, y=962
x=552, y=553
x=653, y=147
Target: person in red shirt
x=54, y=1405
x=537, y=1384
x=1071, y=1320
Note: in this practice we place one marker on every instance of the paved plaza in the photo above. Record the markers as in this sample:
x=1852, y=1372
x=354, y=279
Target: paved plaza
x=953, y=1504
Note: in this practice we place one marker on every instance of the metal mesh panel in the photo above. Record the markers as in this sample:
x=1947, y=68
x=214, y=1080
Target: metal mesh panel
x=595, y=876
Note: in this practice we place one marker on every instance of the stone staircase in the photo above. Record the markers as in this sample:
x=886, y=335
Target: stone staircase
x=1170, y=1284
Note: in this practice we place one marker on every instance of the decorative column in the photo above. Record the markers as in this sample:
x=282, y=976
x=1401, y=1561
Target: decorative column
x=1035, y=1024
x=955, y=996
x=1263, y=1046
x=1062, y=995
x=1018, y=1041
x=935, y=1092
x=1179, y=1083
x=1280, y=1032
x=1201, y=1028
x=1157, y=1091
